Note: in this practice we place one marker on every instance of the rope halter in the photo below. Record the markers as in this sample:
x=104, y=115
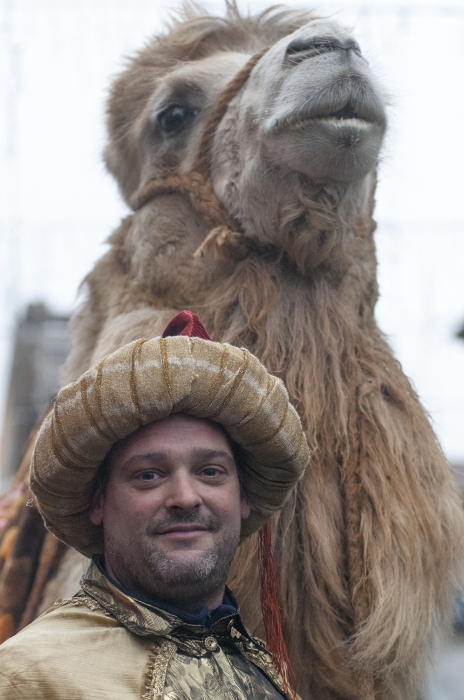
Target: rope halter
x=197, y=185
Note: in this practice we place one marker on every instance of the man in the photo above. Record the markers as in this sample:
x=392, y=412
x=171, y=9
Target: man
x=156, y=463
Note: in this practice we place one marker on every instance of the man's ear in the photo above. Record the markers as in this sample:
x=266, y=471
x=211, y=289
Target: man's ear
x=96, y=507
x=245, y=505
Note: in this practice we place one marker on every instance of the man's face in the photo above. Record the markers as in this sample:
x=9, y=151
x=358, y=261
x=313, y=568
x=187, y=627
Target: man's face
x=172, y=511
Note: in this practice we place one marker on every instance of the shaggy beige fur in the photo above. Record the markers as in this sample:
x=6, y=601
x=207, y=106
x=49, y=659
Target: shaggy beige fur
x=365, y=578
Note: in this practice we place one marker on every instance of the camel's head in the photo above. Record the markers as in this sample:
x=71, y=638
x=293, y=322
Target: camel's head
x=310, y=108
x=313, y=106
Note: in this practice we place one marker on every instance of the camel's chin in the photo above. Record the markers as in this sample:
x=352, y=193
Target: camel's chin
x=328, y=149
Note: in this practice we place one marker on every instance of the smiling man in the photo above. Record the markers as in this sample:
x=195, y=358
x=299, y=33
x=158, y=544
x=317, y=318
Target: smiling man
x=157, y=463
x=171, y=509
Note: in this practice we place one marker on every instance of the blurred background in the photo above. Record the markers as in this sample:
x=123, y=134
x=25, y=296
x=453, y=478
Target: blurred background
x=58, y=205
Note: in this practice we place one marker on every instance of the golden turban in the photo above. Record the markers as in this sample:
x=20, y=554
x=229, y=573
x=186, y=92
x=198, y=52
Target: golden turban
x=149, y=380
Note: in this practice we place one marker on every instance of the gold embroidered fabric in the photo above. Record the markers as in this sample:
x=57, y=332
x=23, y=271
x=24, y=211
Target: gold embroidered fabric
x=222, y=676
x=82, y=601
x=104, y=644
x=158, y=665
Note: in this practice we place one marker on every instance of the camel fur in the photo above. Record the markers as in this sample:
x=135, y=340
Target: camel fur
x=371, y=542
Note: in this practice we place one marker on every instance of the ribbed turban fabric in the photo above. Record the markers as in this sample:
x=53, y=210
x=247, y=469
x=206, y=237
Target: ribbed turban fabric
x=149, y=380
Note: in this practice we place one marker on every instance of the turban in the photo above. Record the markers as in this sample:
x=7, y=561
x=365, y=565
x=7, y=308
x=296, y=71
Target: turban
x=148, y=380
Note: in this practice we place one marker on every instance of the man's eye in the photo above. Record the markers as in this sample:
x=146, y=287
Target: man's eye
x=148, y=476
x=211, y=471
x=174, y=118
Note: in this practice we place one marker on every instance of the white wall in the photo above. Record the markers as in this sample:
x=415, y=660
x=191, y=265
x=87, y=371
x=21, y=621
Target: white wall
x=57, y=205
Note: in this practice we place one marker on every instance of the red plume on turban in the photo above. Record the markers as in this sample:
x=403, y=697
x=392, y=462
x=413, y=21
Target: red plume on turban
x=188, y=323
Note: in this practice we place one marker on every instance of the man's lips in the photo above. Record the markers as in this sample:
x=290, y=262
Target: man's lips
x=190, y=530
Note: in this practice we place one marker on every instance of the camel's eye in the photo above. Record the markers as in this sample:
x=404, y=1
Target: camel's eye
x=174, y=118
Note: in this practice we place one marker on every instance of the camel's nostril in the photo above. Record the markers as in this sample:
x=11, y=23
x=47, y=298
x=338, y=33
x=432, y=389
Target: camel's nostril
x=297, y=46
x=314, y=46
x=319, y=44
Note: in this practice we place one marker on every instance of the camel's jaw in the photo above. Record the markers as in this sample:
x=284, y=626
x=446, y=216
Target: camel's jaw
x=335, y=135
x=329, y=149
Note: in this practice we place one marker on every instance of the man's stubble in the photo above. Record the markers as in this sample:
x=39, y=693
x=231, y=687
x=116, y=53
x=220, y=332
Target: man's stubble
x=143, y=567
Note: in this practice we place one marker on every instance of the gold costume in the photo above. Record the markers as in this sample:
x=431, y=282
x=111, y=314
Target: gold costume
x=103, y=645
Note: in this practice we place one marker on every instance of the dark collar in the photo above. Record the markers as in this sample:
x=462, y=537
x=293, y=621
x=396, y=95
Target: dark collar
x=205, y=618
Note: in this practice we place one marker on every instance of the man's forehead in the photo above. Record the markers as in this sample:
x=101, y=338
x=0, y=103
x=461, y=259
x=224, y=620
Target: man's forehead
x=178, y=431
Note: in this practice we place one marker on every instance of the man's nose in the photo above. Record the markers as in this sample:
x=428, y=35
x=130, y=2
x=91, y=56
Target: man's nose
x=183, y=492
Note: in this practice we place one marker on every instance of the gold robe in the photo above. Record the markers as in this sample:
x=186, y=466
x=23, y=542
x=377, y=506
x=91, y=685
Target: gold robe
x=104, y=645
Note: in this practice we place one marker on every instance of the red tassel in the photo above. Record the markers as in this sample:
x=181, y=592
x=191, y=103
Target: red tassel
x=271, y=611
x=186, y=323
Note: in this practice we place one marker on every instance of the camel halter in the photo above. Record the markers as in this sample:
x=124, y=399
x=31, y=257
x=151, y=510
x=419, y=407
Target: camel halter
x=197, y=184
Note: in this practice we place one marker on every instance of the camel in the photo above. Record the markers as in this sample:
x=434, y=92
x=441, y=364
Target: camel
x=247, y=147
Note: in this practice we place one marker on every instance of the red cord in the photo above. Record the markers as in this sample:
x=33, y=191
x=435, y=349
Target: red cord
x=271, y=611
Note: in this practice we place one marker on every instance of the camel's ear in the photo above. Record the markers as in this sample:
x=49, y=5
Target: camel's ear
x=125, y=172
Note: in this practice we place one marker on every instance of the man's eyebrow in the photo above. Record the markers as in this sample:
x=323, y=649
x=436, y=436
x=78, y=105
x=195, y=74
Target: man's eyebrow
x=152, y=457
x=161, y=457
x=206, y=453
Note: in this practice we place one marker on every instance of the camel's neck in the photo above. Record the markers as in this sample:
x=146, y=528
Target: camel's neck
x=308, y=330
x=312, y=224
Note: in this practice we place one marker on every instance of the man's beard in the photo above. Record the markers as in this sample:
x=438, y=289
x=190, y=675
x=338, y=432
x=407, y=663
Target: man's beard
x=183, y=582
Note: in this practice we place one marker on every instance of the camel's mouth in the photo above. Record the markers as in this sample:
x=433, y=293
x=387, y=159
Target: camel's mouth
x=362, y=116
x=346, y=112
x=346, y=115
